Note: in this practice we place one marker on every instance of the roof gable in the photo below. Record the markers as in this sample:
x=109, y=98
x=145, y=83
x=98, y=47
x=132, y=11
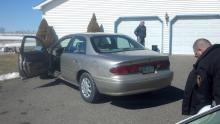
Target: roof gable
x=43, y=3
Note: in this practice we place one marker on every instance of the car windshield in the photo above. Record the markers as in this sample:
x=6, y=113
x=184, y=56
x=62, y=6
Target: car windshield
x=114, y=43
x=209, y=117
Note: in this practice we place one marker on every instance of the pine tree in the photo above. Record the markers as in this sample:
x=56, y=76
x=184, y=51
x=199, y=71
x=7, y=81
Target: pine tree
x=93, y=25
x=42, y=30
x=101, y=28
x=50, y=36
x=46, y=33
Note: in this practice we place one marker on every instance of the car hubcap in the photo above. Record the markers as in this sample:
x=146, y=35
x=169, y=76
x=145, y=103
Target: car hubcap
x=86, y=87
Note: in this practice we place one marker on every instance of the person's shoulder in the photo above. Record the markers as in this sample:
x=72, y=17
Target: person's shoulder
x=216, y=46
x=212, y=52
x=138, y=27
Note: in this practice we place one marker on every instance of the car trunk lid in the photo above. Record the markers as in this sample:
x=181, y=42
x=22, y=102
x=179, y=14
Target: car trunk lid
x=141, y=61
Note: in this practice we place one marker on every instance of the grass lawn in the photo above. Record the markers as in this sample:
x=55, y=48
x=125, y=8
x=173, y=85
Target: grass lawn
x=8, y=63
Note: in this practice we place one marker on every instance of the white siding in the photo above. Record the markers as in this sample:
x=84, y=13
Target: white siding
x=185, y=32
x=74, y=15
x=165, y=44
x=154, y=32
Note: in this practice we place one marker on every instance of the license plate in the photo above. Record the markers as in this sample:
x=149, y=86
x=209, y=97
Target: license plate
x=148, y=69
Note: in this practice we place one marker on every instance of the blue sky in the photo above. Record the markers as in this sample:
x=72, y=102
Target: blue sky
x=18, y=15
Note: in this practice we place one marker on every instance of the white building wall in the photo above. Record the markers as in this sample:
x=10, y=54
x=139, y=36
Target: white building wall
x=74, y=15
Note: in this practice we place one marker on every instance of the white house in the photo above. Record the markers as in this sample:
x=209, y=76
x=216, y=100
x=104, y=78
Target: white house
x=173, y=25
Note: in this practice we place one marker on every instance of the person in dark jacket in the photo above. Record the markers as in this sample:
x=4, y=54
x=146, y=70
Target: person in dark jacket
x=140, y=32
x=203, y=83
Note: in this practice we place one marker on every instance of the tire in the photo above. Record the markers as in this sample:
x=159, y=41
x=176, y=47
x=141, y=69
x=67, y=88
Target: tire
x=88, y=89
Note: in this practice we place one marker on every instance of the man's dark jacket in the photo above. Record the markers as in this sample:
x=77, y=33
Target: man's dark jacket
x=140, y=31
x=203, y=83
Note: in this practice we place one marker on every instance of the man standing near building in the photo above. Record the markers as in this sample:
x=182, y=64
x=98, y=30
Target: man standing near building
x=140, y=32
x=203, y=83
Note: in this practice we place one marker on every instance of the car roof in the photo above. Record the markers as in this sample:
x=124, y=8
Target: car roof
x=89, y=34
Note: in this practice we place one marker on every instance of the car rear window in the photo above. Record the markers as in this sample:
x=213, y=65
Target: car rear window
x=114, y=43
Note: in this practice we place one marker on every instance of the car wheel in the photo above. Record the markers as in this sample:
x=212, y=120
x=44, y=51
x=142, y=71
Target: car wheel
x=88, y=88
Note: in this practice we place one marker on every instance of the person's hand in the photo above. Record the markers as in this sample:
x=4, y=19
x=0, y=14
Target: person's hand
x=199, y=80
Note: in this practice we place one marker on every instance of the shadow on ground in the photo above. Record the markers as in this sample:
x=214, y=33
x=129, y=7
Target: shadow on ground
x=50, y=84
x=139, y=101
x=57, y=82
x=150, y=99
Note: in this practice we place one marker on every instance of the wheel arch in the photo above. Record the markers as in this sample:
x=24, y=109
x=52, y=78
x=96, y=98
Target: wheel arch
x=79, y=74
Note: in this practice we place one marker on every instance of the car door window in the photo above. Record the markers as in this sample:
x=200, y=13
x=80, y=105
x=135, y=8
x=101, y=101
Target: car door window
x=208, y=117
x=64, y=43
x=32, y=45
x=77, y=45
x=212, y=118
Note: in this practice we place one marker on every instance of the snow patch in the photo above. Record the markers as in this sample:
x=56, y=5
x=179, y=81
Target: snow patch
x=9, y=76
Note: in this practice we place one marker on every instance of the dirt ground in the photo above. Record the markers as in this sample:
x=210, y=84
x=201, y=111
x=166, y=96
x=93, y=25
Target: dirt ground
x=8, y=63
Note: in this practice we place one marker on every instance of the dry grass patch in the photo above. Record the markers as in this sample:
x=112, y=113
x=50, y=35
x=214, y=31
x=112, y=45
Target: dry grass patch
x=8, y=63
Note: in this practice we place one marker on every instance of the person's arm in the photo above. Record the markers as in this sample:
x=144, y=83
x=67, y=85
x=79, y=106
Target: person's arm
x=145, y=32
x=216, y=84
x=187, y=96
x=136, y=31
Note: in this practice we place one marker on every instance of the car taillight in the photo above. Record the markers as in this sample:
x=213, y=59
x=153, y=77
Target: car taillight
x=161, y=65
x=123, y=70
x=137, y=68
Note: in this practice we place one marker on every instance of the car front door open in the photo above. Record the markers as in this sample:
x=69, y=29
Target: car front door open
x=33, y=57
